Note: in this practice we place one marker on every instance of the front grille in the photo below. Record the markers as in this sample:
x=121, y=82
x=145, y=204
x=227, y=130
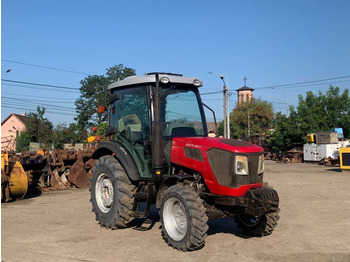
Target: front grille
x=222, y=163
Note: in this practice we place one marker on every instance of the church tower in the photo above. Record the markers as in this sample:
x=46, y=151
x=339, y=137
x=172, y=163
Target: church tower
x=244, y=93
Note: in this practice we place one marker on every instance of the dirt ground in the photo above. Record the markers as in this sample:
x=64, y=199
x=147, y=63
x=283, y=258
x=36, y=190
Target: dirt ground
x=314, y=226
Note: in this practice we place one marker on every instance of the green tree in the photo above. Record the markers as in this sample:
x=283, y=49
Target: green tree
x=314, y=113
x=101, y=129
x=221, y=128
x=22, y=142
x=63, y=135
x=94, y=92
x=257, y=112
x=288, y=132
x=40, y=128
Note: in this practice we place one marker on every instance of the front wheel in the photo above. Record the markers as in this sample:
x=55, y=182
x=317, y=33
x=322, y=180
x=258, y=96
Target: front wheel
x=112, y=194
x=183, y=217
x=257, y=226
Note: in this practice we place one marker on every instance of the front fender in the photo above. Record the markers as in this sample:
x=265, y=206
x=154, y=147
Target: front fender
x=120, y=153
x=168, y=182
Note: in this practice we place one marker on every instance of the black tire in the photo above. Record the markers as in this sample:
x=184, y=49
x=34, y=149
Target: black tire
x=257, y=226
x=183, y=218
x=112, y=194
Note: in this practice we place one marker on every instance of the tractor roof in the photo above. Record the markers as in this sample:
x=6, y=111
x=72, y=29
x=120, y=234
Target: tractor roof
x=151, y=78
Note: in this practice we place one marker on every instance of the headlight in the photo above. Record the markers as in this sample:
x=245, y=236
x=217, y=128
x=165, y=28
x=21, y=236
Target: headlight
x=261, y=164
x=241, y=165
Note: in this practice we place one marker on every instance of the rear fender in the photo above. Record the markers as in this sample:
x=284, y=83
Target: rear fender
x=120, y=153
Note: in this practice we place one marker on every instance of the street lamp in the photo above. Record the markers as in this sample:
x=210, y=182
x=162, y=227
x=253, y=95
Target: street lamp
x=226, y=104
x=7, y=71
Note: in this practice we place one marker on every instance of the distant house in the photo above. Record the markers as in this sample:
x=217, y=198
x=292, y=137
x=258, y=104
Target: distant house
x=11, y=127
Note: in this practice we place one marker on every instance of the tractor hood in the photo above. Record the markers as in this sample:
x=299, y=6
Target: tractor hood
x=216, y=159
x=206, y=143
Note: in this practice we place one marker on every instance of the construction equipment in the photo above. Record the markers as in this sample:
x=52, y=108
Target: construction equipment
x=344, y=158
x=158, y=152
x=14, y=181
x=34, y=172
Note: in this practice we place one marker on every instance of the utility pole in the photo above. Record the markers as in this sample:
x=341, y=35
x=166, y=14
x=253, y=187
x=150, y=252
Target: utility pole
x=226, y=104
x=248, y=124
x=225, y=108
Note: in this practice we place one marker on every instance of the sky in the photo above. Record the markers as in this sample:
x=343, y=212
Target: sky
x=283, y=48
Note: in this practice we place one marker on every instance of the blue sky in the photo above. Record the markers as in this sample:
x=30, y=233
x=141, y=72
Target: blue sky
x=271, y=43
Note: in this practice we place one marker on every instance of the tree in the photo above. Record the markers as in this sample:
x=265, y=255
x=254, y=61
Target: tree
x=251, y=118
x=314, y=113
x=94, y=92
x=40, y=128
x=63, y=135
x=22, y=142
x=101, y=129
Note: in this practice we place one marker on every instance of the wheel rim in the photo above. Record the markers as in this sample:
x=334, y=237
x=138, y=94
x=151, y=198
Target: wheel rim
x=175, y=219
x=248, y=220
x=104, y=193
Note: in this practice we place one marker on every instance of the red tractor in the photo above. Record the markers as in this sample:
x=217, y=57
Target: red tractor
x=158, y=152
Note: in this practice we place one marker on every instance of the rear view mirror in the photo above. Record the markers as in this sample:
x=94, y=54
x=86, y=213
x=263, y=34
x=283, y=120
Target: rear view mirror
x=113, y=98
x=111, y=131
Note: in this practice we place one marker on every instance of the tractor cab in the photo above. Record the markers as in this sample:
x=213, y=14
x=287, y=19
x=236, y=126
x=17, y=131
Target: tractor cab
x=147, y=112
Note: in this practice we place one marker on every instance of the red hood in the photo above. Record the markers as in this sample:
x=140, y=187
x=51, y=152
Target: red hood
x=221, y=143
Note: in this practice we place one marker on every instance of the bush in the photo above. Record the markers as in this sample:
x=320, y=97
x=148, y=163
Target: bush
x=22, y=142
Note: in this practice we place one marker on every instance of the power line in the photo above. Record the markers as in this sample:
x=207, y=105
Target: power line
x=38, y=84
x=35, y=102
x=33, y=105
x=38, y=88
x=24, y=108
x=46, y=67
x=302, y=83
x=50, y=97
x=306, y=85
x=216, y=92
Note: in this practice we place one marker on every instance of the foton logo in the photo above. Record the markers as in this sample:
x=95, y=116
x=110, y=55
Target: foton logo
x=193, y=145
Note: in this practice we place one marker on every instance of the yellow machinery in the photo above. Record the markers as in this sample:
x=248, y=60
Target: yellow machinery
x=14, y=181
x=310, y=138
x=344, y=155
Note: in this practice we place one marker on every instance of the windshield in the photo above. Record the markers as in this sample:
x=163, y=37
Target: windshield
x=180, y=112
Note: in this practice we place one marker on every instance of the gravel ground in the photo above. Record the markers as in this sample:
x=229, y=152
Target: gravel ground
x=314, y=225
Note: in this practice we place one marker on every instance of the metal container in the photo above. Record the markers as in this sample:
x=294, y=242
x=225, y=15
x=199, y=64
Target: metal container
x=327, y=138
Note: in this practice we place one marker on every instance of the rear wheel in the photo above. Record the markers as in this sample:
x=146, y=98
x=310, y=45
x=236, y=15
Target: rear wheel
x=257, y=226
x=183, y=217
x=112, y=194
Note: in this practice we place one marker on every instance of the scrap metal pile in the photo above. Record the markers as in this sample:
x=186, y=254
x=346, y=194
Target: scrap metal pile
x=32, y=173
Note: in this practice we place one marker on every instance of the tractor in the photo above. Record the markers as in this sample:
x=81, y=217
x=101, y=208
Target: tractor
x=157, y=152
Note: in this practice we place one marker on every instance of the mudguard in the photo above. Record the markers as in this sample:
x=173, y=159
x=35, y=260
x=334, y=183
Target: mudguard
x=168, y=182
x=120, y=153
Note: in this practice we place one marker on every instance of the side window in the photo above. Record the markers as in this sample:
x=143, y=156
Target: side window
x=129, y=114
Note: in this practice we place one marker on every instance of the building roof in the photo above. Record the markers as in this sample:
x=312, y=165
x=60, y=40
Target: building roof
x=243, y=88
x=23, y=119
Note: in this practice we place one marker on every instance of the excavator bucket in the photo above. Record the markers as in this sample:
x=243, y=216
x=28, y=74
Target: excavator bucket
x=77, y=174
x=18, y=181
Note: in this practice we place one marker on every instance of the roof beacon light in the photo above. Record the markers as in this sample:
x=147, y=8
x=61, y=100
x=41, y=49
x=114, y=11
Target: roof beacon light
x=164, y=80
